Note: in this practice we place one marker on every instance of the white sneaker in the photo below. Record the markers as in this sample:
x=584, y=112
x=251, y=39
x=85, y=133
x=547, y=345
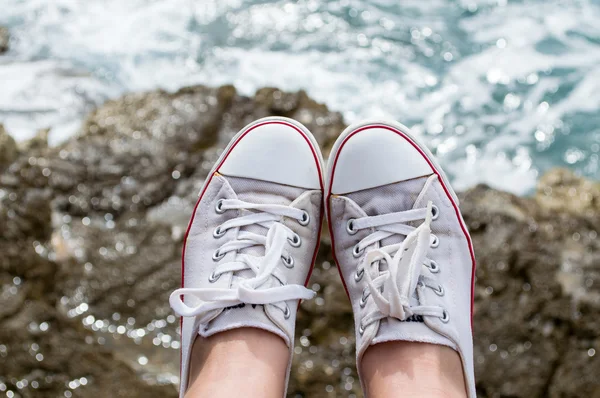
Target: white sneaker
x=252, y=240
x=400, y=242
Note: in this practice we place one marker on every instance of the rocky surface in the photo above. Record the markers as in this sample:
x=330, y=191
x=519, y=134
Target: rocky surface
x=8, y=148
x=4, y=39
x=91, y=239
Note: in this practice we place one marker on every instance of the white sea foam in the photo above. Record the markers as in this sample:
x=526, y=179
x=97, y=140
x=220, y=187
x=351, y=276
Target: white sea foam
x=501, y=90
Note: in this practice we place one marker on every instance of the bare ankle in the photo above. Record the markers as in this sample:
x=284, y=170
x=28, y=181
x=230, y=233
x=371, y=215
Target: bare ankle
x=251, y=357
x=416, y=369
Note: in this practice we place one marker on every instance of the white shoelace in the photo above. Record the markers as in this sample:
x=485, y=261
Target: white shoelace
x=407, y=263
x=265, y=268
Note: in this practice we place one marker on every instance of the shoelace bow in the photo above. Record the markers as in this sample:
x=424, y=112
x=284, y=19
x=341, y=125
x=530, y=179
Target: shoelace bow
x=254, y=290
x=407, y=263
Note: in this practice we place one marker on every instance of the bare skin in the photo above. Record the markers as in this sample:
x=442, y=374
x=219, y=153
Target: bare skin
x=414, y=369
x=256, y=361
x=247, y=361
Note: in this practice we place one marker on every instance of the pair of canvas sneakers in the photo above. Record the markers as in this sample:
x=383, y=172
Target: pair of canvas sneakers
x=399, y=240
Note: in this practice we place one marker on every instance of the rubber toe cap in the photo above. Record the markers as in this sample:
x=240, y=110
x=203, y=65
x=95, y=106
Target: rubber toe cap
x=274, y=151
x=376, y=156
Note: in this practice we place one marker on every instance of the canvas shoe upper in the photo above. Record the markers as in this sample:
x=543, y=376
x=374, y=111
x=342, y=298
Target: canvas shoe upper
x=253, y=236
x=400, y=242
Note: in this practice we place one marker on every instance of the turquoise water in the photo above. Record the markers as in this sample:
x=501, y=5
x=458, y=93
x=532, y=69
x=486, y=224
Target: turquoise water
x=501, y=90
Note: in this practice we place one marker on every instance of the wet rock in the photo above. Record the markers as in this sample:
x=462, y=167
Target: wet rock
x=537, y=287
x=91, y=240
x=92, y=234
x=53, y=358
x=4, y=39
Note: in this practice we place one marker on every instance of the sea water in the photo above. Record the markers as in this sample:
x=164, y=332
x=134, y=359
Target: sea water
x=501, y=90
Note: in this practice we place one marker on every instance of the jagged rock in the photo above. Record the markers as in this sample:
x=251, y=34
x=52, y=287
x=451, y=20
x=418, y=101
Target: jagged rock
x=37, y=142
x=4, y=39
x=538, y=286
x=91, y=240
x=8, y=148
x=93, y=229
x=560, y=190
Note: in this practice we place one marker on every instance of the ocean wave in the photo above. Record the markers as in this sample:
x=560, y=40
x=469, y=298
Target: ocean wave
x=501, y=90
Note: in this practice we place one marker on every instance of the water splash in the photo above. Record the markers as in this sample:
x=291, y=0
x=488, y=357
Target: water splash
x=502, y=90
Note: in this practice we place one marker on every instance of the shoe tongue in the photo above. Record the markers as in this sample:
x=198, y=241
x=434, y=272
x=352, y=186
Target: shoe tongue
x=261, y=192
x=247, y=315
x=392, y=198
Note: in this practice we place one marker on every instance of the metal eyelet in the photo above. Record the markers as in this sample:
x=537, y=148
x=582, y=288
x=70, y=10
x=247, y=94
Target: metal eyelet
x=435, y=242
x=350, y=227
x=218, y=232
x=356, y=252
x=305, y=218
x=439, y=291
x=288, y=261
x=361, y=329
x=219, y=207
x=287, y=313
x=217, y=255
x=445, y=317
x=213, y=278
x=295, y=240
x=358, y=275
x=435, y=212
x=433, y=266
x=363, y=300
